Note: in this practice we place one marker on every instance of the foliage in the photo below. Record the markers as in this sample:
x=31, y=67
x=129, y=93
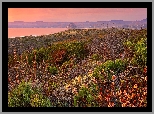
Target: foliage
x=96, y=84
x=53, y=70
x=139, y=50
x=10, y=59
x=59, y=56
x=26, y=96
x=116, y=66
x=38, y=100
x=77, y=49
x=30, y=58
x=140, y=54
x=83, y=98
x=95, y=56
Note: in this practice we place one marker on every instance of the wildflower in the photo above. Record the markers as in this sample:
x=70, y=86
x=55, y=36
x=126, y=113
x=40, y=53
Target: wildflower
x=145, y=78
x=144, y=93
x=113, y=77
x=145, y=70
x=85, y=85
x=100, y=97
x=112, y=71
x=111, y=104
x=102, y=70
x=90, y=71
x=113, y=83
x=79, y=79
x=67, y=87
x=74, y=90
x=107, y=98
x=90, y=74
x=18, y=81
x=74, y=82
x=135, y=86
x=94, y=80
x=123, y=104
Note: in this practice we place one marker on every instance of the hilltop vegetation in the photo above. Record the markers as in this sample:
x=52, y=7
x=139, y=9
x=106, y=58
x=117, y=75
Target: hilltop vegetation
x=79, y=68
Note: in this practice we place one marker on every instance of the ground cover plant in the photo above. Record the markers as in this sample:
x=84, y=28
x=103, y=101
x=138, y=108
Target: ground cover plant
x=90, y=68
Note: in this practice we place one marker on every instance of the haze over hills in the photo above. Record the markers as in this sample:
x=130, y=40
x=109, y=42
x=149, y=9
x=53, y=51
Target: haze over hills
x=87, y=24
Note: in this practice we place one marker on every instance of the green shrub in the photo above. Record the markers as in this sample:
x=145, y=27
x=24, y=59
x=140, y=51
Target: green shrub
x=53, y=70
x=128, y=43
x=30, y=58
x=38, y=100
x=97, y=72
x=120, y=65
x=140, y=55
x=42, y=54
x=95, y=57
x=26, y=96
x=138, y=47
x=116, y=66
x=77, y=48
x=84, y=97
x=108, y=65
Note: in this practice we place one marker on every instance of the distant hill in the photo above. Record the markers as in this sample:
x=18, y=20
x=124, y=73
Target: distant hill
x=87, y=24
x=144, y=20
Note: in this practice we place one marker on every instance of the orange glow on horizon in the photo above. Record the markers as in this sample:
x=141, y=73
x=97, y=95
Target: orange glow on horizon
x=75, y=14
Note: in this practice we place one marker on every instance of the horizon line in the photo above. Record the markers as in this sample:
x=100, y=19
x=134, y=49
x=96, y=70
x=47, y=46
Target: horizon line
x=74, y=21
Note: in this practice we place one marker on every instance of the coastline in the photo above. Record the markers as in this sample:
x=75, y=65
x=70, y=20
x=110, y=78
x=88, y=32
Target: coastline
x=49, y=34
x=27, y=32
x=52, y=33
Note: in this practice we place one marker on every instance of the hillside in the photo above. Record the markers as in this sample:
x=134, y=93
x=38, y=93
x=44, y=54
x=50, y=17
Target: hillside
x=79, y=68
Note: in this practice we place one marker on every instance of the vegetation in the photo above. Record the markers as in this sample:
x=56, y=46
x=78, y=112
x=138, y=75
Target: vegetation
x=52, y=69
x=25, y=96
x=79, y=68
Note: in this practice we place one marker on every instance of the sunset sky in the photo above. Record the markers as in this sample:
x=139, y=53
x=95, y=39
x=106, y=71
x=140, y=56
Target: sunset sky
x=75, y=14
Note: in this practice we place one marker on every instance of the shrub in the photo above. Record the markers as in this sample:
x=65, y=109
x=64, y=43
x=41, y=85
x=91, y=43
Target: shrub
x=42, y=54
x=53, y=70
x=62, y=52
x=38, y=100
x=116, y=66
x=140, y=54
x=59, y=56
x=26, y=96
x=95, y=57
x=139, y=49
x=97, y=72
x=77, y=48
x=87, y=96
x=84, y=98
x=30, y=58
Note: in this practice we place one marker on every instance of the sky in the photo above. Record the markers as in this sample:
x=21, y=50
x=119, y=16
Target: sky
x=75, y=14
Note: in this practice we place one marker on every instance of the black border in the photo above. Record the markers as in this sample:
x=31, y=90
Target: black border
x=6, y=5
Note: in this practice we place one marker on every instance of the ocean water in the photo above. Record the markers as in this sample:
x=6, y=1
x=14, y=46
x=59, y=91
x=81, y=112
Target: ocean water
x=21, y=32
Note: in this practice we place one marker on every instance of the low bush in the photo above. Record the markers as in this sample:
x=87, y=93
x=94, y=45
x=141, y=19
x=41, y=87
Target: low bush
x=140, y=54
x=95, y=57
x=78, y=49
x=26, y=96
x=52, y=69
x=84, y=98
x=116, y=66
